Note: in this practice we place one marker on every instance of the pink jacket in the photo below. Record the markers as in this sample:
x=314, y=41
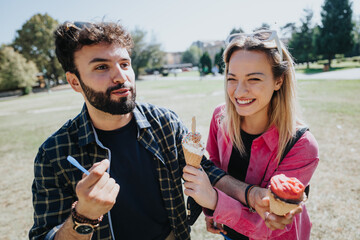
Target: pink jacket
x=300, y=162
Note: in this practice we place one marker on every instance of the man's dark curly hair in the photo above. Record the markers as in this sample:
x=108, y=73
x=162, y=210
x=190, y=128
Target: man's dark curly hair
x=71, y=37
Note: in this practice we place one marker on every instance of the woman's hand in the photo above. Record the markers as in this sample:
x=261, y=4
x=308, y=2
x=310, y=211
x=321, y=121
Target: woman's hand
x=213, y=227
x=258, y=199
x=197, y=185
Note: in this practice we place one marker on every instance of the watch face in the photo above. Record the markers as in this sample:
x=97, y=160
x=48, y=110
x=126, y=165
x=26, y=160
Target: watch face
x=84, y=229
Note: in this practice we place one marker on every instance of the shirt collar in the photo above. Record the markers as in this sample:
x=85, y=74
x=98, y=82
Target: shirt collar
x=140, y=118
x=271, y=137
x=86, y=134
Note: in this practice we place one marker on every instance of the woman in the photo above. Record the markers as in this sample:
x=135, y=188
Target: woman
x=248, y=136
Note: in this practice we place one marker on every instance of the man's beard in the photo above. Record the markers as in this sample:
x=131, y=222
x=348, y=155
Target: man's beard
x=103, y=102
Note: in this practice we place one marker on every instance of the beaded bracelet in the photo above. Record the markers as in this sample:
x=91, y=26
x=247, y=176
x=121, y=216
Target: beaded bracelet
x=81, y=219
x=247, y=191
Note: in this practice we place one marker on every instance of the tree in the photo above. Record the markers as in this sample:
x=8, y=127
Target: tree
x=356, y=33
x=205, y=63
x=191, y=55
x=288, y=29
x=35, y=42
x=264, y=26
x=301, y=42
x=219, y=61
x=15, y=71
x=335, y=33
x=236, y=30
x=144, y=54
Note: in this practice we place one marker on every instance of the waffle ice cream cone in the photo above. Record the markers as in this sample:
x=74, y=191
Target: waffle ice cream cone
x=193, y=147
x=285, y=194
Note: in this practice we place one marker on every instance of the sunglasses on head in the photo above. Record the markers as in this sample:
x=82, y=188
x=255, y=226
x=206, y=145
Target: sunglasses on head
x=77, y=25
x=262, y=35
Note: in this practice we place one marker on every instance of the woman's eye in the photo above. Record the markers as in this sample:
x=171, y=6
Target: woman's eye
x=254, y=79
x=231, y=79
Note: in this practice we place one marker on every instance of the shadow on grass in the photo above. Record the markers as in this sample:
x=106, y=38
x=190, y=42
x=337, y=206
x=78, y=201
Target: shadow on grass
x=320, y=70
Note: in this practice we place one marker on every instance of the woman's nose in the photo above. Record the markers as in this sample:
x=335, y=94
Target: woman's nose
x=241, y=89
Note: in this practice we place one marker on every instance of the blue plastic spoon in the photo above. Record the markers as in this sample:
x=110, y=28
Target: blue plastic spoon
x=77, y=164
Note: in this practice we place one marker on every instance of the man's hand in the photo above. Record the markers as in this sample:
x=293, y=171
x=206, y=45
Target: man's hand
x=258, y=199
x=197, y=185
x=96, y=192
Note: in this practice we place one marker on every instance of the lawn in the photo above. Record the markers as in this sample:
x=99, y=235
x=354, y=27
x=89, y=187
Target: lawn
x=331, y=108
x=336, y=64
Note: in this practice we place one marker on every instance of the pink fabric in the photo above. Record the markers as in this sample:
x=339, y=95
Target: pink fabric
x=300, y=162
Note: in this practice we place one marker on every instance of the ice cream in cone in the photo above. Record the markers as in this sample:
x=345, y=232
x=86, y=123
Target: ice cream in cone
x=193, y=147
x=285, y=194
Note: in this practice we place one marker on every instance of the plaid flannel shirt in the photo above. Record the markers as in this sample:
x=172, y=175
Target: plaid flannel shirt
x=159, y=130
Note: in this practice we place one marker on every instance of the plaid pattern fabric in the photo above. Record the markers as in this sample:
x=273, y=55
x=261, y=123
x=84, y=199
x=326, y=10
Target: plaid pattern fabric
x=159, y=130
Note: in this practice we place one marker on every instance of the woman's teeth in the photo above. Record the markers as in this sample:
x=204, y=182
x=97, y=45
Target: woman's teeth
x=247, y=101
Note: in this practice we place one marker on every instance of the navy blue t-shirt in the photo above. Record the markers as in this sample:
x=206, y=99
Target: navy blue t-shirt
x=139, y=211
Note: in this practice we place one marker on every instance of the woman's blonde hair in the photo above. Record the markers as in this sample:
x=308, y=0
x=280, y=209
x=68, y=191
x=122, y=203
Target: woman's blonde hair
x=283, y=109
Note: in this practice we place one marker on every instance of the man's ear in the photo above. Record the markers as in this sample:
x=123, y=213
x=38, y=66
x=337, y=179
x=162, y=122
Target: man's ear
x=74, y=82
x=278, y=83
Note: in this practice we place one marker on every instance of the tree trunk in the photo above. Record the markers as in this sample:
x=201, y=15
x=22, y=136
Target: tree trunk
x=329, y=61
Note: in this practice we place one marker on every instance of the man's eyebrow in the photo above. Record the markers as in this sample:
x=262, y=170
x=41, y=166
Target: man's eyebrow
x=95, y=60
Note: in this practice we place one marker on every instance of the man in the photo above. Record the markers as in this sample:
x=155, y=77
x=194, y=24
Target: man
x=133, y=151
x=141, y=142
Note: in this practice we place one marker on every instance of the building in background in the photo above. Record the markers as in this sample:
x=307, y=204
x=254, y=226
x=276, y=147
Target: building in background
x=172, y=58
x=212, y=47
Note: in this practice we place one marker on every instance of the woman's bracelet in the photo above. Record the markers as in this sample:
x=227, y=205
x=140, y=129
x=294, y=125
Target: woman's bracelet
x=247, y=192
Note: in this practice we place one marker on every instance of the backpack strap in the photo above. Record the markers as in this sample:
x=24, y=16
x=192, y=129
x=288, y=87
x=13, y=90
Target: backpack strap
x=288, y=147
x=292, y=142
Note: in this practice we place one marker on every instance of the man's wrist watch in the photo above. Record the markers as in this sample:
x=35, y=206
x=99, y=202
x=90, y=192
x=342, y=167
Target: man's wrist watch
x=83, y=225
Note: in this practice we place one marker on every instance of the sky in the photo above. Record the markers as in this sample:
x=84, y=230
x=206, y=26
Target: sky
x=176, y=24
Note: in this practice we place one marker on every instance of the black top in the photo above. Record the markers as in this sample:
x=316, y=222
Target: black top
x=237, y=168
x=139, y=211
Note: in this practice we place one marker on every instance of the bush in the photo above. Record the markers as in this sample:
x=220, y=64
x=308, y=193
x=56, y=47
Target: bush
x=15, y=71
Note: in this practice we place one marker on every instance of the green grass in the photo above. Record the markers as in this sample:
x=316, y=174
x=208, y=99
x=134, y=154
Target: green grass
x=332, y=97
x=336, y=64
x=331, y=108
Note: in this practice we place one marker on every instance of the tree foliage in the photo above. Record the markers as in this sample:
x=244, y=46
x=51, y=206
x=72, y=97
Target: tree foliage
x=15, y=71
x=35, y=42
x=191, y=55
x=236, y=30
x=219, y=60
x=145, y=54
x=355, y=51
x=264, y=26
x=335, y=34
x=301, y=42
x=205, y=63
x=288, y=29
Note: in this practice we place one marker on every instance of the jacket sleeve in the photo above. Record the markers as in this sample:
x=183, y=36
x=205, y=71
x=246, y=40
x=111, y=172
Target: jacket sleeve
x=50, y=201
x=301, y=163
x=302, y=159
